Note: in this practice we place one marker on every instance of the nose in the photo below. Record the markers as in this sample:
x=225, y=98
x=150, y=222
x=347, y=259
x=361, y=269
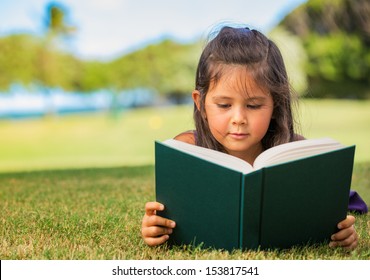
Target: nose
x=239, y=117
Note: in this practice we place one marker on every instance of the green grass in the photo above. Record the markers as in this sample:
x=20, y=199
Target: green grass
x=96, y=140
x=64, y=193
x=344, y=120
x=96, y=214
x=101, y=141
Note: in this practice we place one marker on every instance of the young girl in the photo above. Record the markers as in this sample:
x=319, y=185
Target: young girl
x=242, y=106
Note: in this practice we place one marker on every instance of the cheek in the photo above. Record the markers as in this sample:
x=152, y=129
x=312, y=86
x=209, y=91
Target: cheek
x=217, y=124
x=261, y=124
x=214, y=117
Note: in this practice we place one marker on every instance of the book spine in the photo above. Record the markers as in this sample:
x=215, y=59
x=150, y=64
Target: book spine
x=251, y=205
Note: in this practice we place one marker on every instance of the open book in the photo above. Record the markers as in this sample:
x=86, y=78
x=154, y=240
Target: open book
x=275, y=155
x=295, y=193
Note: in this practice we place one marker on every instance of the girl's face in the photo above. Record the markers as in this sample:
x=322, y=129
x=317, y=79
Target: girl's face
x=238, y=113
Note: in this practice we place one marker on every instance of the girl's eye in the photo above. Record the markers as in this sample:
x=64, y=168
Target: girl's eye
x=223, y=106
x=254, y=106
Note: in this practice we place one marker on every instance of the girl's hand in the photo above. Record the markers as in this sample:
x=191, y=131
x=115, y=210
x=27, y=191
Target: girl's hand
x=155, y=230
x=346, y=237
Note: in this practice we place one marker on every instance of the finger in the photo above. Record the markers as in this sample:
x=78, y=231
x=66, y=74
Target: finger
x=343, y=234
x=352, y=246
x=333, y=244
x=152, y=207
x=348, y=222
x=155, y=231
x=349, y=243
x=154, y=241
x=155, y=220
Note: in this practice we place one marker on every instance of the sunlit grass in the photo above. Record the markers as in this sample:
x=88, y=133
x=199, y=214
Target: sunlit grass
x=345, y=120
x=89, y=140
x=96, y=214
x=79, y=213
x=101, y=140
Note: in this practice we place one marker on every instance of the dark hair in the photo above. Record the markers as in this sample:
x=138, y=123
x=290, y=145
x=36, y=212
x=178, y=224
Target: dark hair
x=262, y=58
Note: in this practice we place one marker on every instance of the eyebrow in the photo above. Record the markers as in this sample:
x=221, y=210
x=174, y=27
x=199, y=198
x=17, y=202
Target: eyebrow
x=221, y=97
x=254, y=98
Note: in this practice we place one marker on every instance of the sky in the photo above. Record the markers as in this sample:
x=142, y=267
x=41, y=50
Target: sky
x=106, y=29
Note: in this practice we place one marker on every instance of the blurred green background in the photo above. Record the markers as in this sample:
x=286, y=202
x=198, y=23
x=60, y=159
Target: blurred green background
x=98, y=140
x=325, y=44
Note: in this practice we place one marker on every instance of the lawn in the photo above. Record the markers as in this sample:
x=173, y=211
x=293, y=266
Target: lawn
x=101, y=140
x=91, y=140
x=74, y=187
x=96, y=214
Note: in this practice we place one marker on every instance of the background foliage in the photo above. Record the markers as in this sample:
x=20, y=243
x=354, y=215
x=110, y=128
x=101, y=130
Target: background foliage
x=326, y=42
x=336, y=37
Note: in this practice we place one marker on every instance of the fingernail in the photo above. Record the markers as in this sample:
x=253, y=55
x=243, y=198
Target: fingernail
x=172, y=224
x=170, y=231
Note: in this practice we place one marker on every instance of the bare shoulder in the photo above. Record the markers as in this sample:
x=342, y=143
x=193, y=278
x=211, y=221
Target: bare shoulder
x=298, y=137
x=187, y=137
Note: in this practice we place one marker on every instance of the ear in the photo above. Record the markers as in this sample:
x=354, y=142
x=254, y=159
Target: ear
x=196, y=98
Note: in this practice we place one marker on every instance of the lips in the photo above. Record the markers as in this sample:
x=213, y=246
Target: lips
x=238, y=135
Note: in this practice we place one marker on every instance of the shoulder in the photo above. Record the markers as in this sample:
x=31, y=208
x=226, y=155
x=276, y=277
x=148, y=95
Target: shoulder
x=187, y=137
x=298, y=137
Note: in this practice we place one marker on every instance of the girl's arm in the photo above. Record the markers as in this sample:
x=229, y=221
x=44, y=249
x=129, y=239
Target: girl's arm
x=346, y=236
x=155, y=230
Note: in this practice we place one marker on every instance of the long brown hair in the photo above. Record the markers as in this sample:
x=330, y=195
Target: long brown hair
x=262, y=58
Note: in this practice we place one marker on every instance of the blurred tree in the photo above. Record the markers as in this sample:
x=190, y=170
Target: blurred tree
x=56, y=22
x=51, y=60
x=18, y=54
x=167, y=68
x=295, y=58
x=336, y=36
x=95, y=75
x=27, y=59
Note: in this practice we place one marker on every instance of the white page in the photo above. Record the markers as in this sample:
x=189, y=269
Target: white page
x=296, y=150
x=278, y=154
x=211, y=155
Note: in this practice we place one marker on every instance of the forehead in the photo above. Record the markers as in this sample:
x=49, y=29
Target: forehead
x=237, y=79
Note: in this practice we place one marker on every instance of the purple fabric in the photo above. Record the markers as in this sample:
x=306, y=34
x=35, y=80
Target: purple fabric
x=356, y=204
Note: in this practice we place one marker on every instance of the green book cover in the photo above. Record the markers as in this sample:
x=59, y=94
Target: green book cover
x=285, y=204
